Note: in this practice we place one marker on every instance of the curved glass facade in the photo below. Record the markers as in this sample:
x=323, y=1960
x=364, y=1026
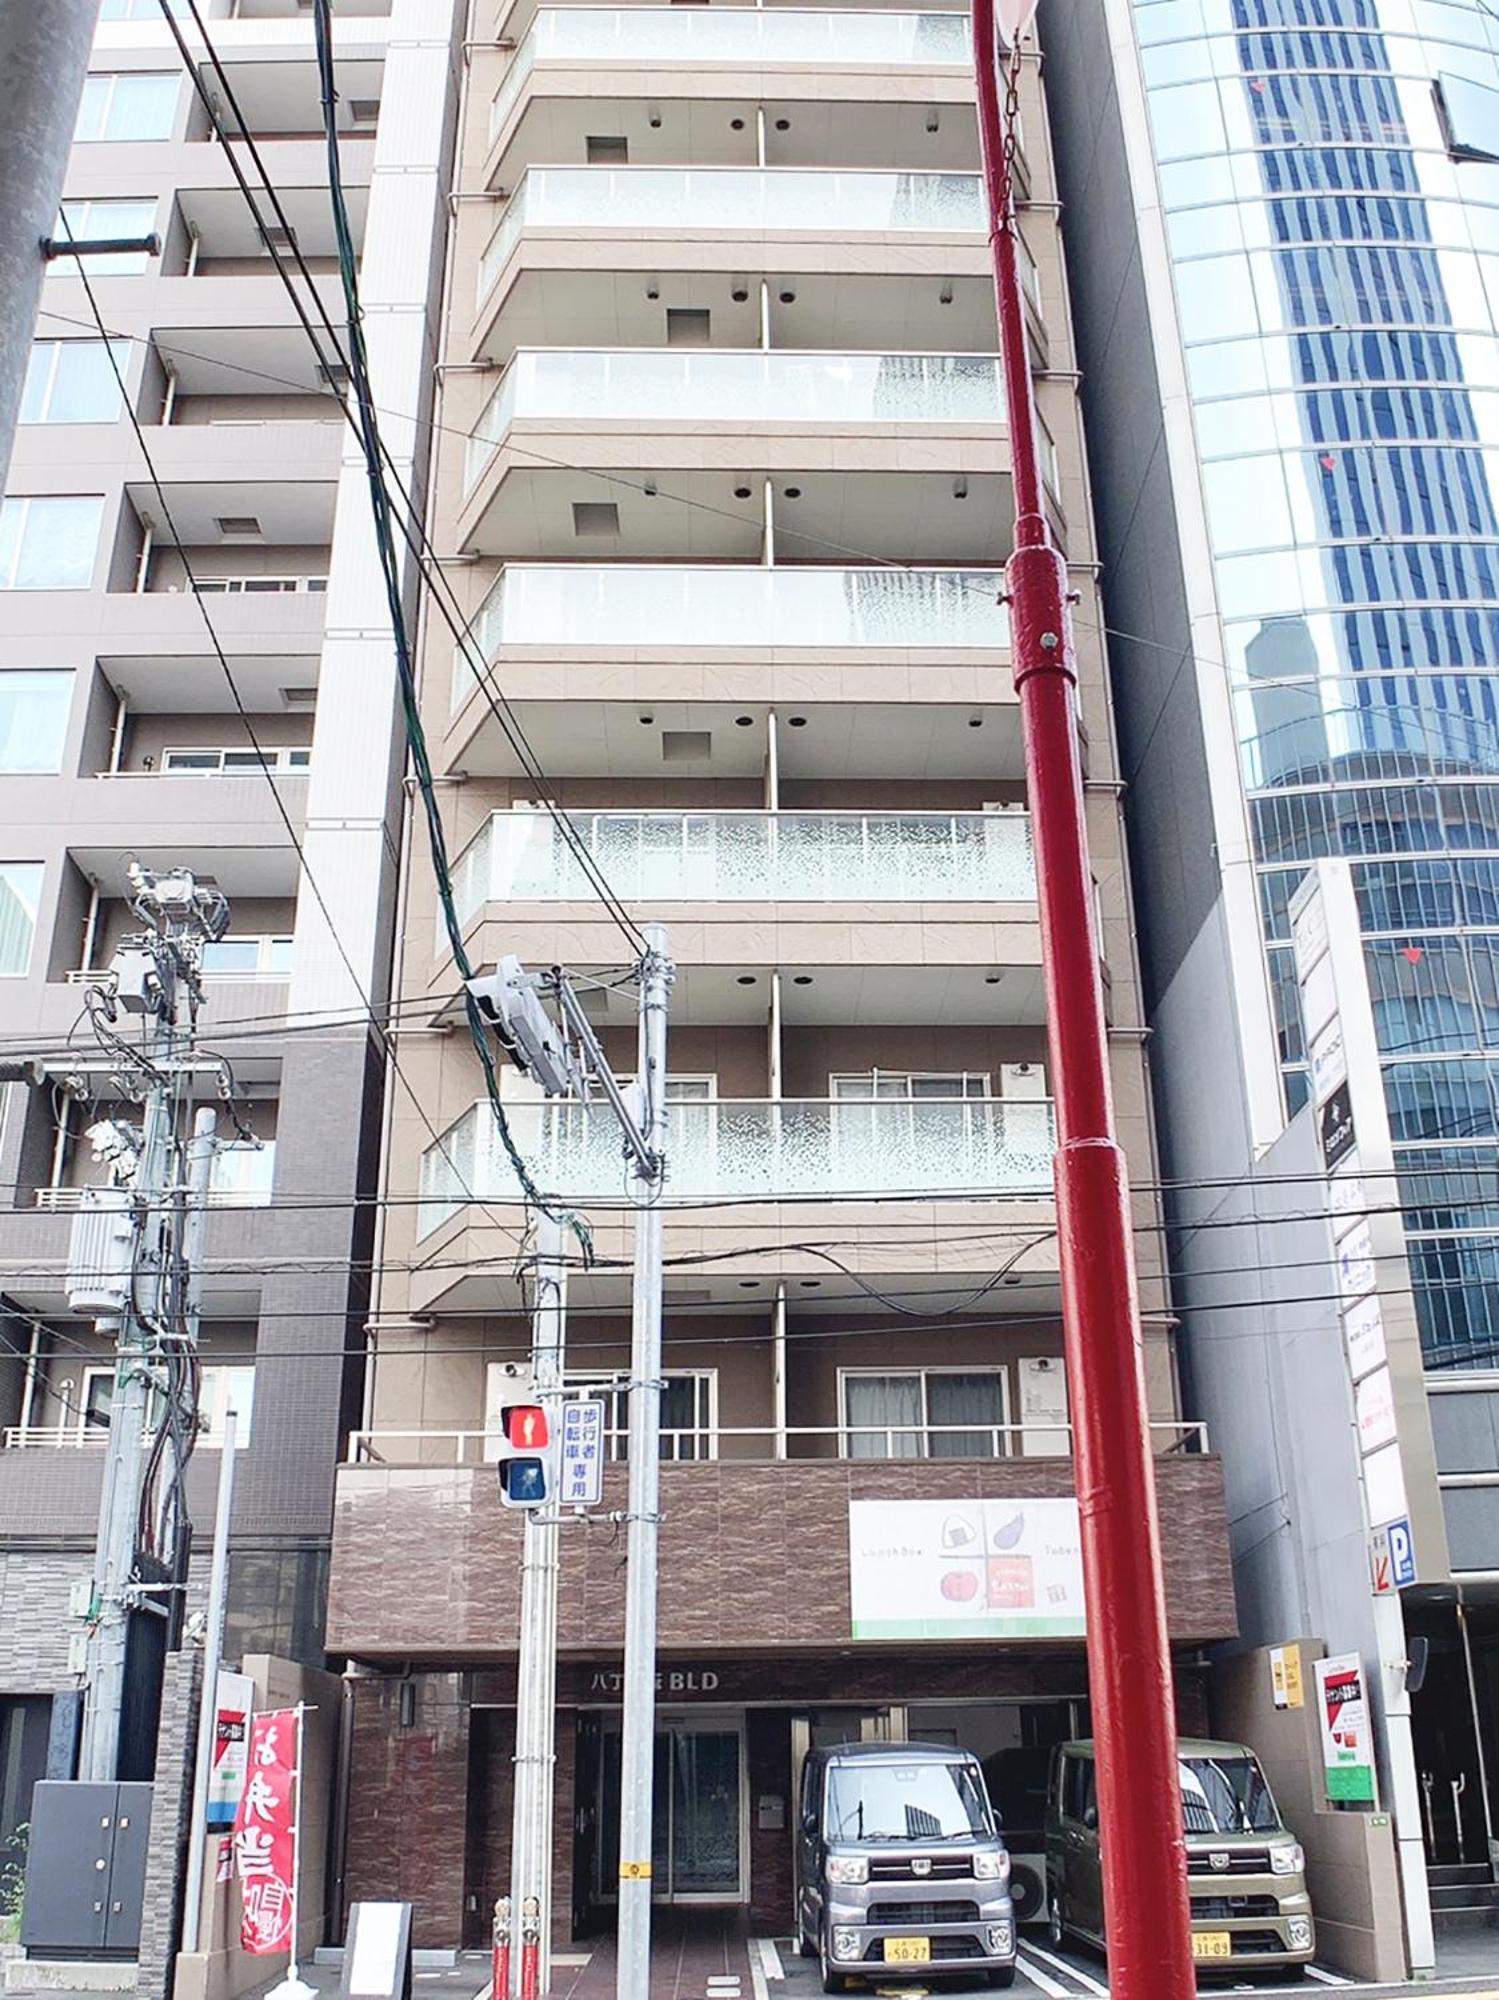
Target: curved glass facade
x=1334, y=234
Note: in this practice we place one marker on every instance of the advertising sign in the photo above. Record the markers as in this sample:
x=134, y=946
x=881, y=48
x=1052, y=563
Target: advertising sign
x=1363, y=1335
x=1343, y=1718
x=265, y=1840
x=231, y=1749
x=1335, y=1123
x=1286, y=1687
x=965, y=1569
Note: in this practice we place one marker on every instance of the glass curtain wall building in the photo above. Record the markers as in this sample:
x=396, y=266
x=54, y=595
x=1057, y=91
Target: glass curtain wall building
x=1334, y=238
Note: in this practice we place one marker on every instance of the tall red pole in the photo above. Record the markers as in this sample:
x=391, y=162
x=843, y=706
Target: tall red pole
x=1129, y=1658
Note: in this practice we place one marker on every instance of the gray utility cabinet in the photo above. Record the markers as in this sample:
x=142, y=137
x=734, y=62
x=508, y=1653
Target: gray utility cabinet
x=85, y=1870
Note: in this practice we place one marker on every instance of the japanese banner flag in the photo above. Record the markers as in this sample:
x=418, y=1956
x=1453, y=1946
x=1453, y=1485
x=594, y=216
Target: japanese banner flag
x=265, y=1835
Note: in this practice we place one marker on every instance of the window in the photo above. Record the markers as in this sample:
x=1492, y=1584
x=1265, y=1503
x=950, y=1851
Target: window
x=73, y=382
x=103, y=222
x=241, y=1175
x=225, y=1388
x=689, y=1417
x=909, y=1084
x=138, y=10
x=923, y=1413
x=231, y=762
x=127, y=104
x=1469, y=113
x=260, y=586
x=49, y=544
x=247, y=958
x=34, y=705
x=20, y=898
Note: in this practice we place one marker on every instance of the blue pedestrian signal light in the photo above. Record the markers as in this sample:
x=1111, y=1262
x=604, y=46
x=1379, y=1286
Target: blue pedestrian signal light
x=525, y=1467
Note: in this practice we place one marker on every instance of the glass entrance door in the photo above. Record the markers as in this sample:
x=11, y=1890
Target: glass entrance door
x=697, y=1826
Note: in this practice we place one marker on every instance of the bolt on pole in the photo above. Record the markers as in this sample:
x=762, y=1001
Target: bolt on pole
x=536, y=1686
x=1129, y=1658
x=638, y=1727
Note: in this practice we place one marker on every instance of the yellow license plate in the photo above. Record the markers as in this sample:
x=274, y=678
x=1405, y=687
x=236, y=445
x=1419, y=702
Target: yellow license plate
x=1212, y=1944
x=908, y=1951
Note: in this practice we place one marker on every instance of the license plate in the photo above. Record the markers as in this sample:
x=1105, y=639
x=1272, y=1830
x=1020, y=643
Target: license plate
x=1212, y=1944
x=908, y=1951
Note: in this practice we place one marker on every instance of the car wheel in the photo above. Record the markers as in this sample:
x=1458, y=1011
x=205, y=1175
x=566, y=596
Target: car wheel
x=832, y=1982
x=805, y=1945
x=1005, y=1976
x=1054, y=1925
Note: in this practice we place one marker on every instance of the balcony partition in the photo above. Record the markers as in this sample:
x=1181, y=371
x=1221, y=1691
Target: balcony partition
x=738, y=857
x=752, y=1148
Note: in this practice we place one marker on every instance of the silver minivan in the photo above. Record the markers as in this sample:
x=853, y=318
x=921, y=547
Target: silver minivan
x=900, y=1866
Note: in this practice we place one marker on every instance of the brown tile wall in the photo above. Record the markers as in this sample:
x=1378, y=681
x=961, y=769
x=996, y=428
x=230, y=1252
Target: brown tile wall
x=771, y=1870
x=409, y=1802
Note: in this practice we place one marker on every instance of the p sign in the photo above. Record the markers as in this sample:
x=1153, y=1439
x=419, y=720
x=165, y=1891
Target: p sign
x=1402, y=1549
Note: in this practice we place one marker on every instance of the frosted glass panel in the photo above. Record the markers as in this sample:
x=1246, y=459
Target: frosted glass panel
x=740, y=1147
x=751, y=857
x=621, y=604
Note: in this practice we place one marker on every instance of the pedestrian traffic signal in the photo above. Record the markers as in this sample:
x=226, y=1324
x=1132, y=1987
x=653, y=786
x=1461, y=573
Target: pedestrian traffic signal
x=525, y=1467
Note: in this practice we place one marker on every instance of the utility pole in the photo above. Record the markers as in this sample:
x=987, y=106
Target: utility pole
x=562, y=1059
x=208, y=1700
x=155, y=975
x=44, y=52
x=1129, y=1656
x=638, y=1728
x=536, y=1682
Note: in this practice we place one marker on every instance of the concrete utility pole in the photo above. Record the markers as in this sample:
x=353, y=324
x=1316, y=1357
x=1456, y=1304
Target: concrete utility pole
x=44, y=51
x=638, y=1728
x=536, y=1683
x=208, y=1699
x=136, y=1268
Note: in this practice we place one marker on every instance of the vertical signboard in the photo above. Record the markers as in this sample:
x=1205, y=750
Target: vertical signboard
x=231, y=1749
x=265, y=1837
x=1343, y=1720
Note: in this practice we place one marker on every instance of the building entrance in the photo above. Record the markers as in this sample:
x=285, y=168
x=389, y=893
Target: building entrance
x=698, y=1831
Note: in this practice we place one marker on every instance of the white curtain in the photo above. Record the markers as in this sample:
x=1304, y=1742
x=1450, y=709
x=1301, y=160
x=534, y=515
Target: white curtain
x=890, y=1400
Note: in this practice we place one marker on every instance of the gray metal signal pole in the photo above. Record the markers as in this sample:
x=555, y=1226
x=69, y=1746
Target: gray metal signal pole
x=638, y=1736
x=536, y=1685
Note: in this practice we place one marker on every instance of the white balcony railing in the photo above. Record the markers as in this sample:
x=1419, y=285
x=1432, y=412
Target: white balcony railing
x=750, y=201
x=801, y=1442
x=740, y=1148
x=242, y=1177
x=740, y=857
x=656, y=606
x=742, y=38
x=751, y=387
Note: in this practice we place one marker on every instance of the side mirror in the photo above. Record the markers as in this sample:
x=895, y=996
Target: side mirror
x=1090, y=1818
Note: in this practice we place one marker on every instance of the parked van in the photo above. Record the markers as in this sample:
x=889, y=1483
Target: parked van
x=899, y=1864
x=1245, y=1871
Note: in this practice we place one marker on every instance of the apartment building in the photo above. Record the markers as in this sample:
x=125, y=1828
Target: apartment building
x=1285, y=226
x=120, y=736
x=722, y=478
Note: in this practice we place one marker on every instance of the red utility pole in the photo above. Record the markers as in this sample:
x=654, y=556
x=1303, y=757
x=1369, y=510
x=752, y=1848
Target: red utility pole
x=1129, y=1657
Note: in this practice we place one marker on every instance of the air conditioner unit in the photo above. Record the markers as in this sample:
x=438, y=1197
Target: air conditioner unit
x=100, y=1252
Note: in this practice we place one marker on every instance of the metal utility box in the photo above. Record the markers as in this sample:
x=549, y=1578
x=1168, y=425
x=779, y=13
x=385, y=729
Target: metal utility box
x=86, y=1870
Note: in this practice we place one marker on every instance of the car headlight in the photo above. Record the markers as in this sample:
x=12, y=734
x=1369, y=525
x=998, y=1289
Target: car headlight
x=845, y=1943
x=1001, y=1940
x=1287, y=1860
x=991, y=1867
x=1299, y=1932
x=848, y=1868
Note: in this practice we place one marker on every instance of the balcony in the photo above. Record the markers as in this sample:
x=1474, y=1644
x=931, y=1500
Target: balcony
x=737, y=1149
x=734, y=390
x=712, y=857
x=736, y=203
x=241, y=1178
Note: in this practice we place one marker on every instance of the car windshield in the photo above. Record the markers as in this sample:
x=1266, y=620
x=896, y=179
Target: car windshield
x=1226, y=1795
x=922, y=1800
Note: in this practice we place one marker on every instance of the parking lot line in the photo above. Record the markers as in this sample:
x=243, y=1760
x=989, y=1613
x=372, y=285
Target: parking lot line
x=1084, y=1979
x=1327, y=1978
x=1048, y=1985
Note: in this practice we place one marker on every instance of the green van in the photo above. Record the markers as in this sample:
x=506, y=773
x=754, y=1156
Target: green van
x=1246, y=1873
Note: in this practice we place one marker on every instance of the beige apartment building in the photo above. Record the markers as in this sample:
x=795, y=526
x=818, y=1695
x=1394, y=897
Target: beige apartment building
x=721, y=475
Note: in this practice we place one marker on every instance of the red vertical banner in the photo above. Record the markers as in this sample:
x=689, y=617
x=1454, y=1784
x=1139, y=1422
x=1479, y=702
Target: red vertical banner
x=265, y=1833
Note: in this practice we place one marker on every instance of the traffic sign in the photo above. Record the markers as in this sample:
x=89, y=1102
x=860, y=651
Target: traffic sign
x=1402, y=1553
x=1379, y=1562
x=582, y=1454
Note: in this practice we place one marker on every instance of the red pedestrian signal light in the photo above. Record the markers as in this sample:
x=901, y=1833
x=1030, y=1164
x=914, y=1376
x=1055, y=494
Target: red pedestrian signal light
x=525, y=1467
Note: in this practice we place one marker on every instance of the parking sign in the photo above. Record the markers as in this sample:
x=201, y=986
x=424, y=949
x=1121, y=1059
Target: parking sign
x=1402, y=1554
x=582, y=1455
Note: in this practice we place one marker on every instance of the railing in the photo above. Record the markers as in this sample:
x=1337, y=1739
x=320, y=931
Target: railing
x=737, y=857
x=229, y=961
x=75, y=1436
x=653, y=606
x=756, y=38
x=751, y=386
x=242, y=1177
x=796, y=1441
x=757, y=201
x=839, y=1149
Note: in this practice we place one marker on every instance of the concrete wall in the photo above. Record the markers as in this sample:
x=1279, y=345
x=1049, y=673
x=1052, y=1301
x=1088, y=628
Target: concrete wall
x=1352, y=1875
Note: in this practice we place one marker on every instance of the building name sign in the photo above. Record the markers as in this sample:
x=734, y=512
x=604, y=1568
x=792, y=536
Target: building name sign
x=669, y=1680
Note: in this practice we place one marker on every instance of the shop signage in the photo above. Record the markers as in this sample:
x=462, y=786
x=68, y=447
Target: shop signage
x=231, y=1749
x=669, y=1680
x=265, y=1839
x=955, y=1569
x=1343, y=1720
x=1287, y=1690
x=1335, y=1122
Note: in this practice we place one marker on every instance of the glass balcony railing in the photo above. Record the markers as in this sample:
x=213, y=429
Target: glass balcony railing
x=751, y=37
x=754, y=201
x=740, y=857
x=749, y=387
x=746, y=1148
x=656, y=606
